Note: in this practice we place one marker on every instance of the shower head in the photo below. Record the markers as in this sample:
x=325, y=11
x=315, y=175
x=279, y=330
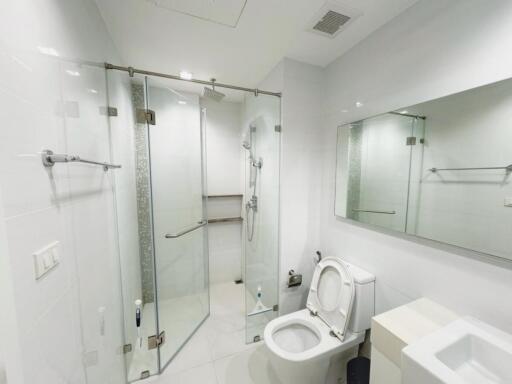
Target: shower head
x=211, y=93
x=246, y=145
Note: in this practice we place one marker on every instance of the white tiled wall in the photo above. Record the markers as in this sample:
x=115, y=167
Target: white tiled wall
x=51, y=94
x=420, y=55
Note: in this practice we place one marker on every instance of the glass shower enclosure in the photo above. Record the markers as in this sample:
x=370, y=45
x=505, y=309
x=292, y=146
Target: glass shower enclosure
x=162, y=200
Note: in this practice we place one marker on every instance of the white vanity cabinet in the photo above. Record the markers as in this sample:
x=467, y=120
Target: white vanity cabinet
x=397, y=328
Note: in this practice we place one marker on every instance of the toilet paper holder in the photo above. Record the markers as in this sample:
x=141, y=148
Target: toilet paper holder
x=294, y=279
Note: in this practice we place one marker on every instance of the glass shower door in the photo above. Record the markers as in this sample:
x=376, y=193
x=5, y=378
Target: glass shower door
x=177, y=173
x=261, y=221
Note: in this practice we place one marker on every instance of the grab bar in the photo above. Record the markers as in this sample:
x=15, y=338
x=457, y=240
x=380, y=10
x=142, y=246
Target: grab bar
x=374, y=211
x=49, y=159
x=508, y=168
x=200, y=224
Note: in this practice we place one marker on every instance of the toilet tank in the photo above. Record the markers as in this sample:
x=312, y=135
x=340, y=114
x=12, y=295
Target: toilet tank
x=363, y=307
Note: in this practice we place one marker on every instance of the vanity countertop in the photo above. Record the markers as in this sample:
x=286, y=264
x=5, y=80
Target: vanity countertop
x=395, y=329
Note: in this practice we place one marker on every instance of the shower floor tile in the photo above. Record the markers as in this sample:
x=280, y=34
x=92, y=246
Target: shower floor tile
x=217, y=353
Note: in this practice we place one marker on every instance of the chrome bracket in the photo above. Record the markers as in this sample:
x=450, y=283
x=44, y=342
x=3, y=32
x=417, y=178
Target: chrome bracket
x=127, y=348
x=144, y=375
x=411, y=140
x=112, y=111
x=156, y=341
x=146, y=116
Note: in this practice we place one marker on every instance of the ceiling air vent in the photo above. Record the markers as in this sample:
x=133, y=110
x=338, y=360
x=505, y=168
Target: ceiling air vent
x=332, y=18
x=331, y=23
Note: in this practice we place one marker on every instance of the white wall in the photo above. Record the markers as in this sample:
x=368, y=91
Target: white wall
x=301, y=159
x=10, y=355
x=433, y=49
x=51, y=99
x=223, y=120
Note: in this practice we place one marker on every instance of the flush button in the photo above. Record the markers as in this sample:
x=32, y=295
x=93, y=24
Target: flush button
x=46, y=259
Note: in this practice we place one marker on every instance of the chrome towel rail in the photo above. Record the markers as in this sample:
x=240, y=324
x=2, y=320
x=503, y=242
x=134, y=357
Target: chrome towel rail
x=374, y=211
x=508, y=168
x=200, y=224
x=224, y=220
x=49, y=159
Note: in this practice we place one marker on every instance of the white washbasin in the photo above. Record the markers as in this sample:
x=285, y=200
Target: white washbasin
x=466, y=351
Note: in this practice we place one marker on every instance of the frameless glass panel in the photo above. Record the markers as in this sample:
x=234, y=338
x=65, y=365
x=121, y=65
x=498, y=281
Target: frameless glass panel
x=179, y=211
x=372, y=183
x=262, y=146
x=133, y=207
x=91, y=241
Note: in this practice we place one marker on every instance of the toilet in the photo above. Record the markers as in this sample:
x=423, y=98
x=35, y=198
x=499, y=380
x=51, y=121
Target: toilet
x=339, y=309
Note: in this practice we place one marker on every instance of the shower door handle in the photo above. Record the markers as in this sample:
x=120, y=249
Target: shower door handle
x=200, y=224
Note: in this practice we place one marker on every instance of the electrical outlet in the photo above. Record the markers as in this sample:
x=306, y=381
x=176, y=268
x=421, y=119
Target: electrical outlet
x=46, y=259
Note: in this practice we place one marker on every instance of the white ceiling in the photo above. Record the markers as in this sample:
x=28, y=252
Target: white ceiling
x=173, y=35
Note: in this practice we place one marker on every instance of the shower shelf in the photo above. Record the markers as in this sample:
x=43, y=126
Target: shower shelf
x=224, y=220
x=216, y=196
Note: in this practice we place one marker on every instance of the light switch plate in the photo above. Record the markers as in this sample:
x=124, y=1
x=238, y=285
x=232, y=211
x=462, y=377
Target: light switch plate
x=46, y=259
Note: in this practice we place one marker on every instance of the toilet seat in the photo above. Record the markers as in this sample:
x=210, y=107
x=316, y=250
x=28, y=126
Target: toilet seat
x=332, y=294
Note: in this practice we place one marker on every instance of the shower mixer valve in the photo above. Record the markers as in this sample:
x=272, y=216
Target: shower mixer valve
x=252, y=203
x=257, y=163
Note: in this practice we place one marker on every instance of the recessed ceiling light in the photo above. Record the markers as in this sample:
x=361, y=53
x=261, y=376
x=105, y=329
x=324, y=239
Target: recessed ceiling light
x=93, y=90
x=182, y=102
x=344, y=111
x=48, y=51
x=359, y=104
x=186, y=75
x=72, y=73
x=404, y=112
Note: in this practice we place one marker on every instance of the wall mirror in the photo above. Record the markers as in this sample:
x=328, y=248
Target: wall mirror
x=439, y=170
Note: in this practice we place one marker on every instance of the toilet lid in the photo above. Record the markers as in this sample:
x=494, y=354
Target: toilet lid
x=331, y=295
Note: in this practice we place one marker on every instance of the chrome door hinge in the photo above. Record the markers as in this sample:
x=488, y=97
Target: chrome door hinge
x=144, y=375
x=156, y=341
x=275, y=308
x=277, y=128
x=127, y=348
x=112, y=111
x=146, y=116
x=108, y=111
x=411, y=140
